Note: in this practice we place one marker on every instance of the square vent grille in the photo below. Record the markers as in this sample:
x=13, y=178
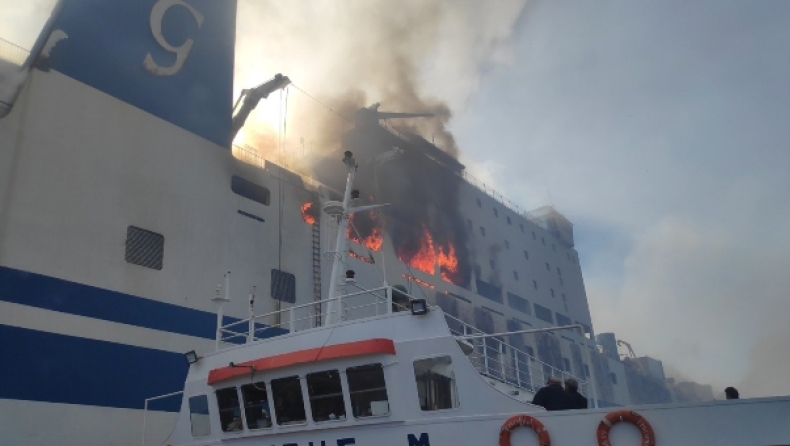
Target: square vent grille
x=283, y=286
x=144, y=248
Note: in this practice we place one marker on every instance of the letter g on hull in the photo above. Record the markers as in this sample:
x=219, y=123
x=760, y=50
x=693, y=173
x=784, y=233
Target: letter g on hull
x=157, y=15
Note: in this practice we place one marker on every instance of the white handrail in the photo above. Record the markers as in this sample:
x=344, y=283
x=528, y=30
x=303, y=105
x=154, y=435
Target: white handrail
x=227, y=332
x=145, y=408
x=494, y=365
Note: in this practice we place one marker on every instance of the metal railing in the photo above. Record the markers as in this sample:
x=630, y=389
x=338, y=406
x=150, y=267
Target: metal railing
x=466, y=176
x=248, y=155
x=496, y=359
x=490, y=355
x=11, y=52
x=145, y=409
x=488, y=190
x=351, y=306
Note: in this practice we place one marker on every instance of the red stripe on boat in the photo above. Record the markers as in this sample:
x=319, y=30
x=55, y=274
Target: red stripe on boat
x=347, y=350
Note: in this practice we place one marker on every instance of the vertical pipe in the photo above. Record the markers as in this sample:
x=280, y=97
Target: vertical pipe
x=251, y=327
x=145, y=413
x=219, y=327
x=591, y=379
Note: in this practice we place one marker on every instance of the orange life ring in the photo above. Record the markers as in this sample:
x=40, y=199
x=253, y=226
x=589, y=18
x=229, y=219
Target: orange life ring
x=612, y=418
x=516, y=422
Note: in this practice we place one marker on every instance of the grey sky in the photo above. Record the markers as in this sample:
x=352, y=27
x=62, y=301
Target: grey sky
x=659, y=128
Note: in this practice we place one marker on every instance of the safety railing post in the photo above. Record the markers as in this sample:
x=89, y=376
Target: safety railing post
x=502, y=360
x=517, y=368
x=485, y=357
x=291, y=320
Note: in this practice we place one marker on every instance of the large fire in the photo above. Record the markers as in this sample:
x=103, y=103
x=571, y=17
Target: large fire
x=424, y=259
x=364, y=228
x=308, y=213
x=448, y=264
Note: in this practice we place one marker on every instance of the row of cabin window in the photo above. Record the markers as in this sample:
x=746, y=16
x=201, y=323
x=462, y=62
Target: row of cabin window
x=366, y=386
x=534, y=236
x=521, y=225
x=519, y=303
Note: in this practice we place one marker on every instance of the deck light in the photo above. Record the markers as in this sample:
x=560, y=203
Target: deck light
x=419, y=306
x=191, y=356
x=350, y=276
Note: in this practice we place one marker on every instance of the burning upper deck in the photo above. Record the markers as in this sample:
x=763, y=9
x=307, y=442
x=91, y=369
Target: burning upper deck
x=423, y=220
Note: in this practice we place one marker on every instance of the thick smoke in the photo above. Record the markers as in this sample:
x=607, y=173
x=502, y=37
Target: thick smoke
x=405, y=55
x=423, y=197
x=421, y=56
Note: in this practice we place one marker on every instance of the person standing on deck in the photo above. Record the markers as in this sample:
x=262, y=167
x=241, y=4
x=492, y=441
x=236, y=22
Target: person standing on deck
x=552, y=397
x=575, y=399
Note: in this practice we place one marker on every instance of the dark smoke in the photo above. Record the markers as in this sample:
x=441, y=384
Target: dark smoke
x=422, y=194
x=411, y=56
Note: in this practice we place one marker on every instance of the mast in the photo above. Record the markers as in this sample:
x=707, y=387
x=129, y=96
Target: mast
x=341, y=243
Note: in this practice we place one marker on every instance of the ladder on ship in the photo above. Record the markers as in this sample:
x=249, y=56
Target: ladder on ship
x=317, y=268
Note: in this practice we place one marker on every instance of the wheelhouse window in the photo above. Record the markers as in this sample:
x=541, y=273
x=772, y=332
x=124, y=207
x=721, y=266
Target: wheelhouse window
x=368, y=390
x=288, y=402
x=436, y=383
x=326, y=396
x=256, y=406
x=229, y=410
x=199, y=416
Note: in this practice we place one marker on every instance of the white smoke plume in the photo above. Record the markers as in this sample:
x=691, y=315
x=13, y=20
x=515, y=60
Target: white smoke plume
x=412, y=56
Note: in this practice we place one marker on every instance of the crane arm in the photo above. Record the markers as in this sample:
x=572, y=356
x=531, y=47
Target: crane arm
x=251, y=97
x=628, y=346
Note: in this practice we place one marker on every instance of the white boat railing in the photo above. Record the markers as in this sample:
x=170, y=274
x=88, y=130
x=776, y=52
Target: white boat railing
x=350, y=306
x=498, y=360
x=491, y=356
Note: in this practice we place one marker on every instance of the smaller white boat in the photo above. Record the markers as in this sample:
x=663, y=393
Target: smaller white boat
x=379, y=367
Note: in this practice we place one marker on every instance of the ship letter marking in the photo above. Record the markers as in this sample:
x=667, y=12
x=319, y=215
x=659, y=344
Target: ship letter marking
x=422, y=441
x=157, y=14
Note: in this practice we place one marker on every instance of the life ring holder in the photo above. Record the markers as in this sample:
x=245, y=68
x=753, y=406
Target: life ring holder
x=612, y=418
x=518, y=421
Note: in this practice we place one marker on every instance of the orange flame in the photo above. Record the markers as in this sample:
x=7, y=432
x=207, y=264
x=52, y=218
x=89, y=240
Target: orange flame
x=307, y=213
x=359, y=257
x=374, y=239
x=425, y=257
x=417, y=280
x=448, y=264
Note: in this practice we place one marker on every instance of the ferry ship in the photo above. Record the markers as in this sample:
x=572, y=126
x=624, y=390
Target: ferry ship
x=124, y=205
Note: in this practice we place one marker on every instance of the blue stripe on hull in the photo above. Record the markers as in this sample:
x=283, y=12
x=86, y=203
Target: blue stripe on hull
x=49, y=293
x=49, y=367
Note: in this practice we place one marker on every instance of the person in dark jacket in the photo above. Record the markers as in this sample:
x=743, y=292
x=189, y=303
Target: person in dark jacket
x=731, y=393
x=575, y=399
x=551, y=397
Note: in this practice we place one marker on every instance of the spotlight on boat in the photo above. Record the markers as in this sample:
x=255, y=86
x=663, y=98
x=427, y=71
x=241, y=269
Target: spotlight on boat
x=419, y=306
x=355, y=194
x=350, y=276
x=191, y=356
